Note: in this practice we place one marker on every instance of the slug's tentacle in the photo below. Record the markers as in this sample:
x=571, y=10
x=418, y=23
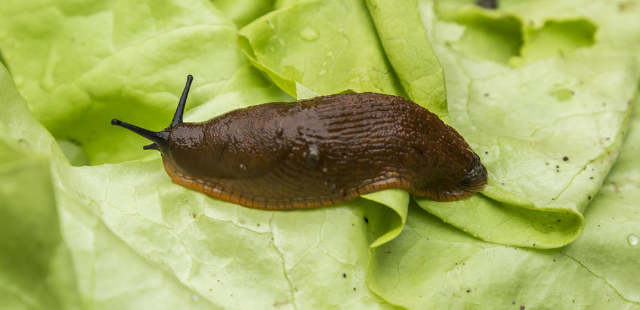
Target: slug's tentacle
x=151, y=146
x=177, y=117
x=159, y=137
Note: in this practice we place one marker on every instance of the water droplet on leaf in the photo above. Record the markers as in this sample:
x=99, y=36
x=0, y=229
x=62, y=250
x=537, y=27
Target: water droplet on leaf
x=309, y=34
x=19, y=81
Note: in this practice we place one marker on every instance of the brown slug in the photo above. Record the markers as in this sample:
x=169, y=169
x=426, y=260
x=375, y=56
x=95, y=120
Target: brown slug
x=317, y=152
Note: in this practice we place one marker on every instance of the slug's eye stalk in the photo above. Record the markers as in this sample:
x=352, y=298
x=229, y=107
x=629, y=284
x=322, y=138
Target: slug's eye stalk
x=177, y=117
x=160, y=137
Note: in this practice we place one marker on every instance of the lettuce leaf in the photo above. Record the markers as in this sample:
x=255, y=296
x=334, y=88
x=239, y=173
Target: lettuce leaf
x=432, y=265
x=80, y=65
x=34, y=260
x=404, y=40
x=243, y=12
x=122, y=236
x=327, y=46
x=548, y=130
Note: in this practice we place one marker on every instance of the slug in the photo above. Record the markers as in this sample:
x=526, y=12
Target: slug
x=317, y=152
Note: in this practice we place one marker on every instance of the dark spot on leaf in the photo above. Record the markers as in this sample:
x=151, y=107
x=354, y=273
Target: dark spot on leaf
x=562, y=94
x=589, y=197
x=354, y=289
x=521, y=307
x=558, y=220
x=366, y=220
x=468, y=290
x=565, y=158
x=487, y=4
x=344, y=275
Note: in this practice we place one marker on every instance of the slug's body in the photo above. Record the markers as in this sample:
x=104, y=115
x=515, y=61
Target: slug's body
x=318, y=152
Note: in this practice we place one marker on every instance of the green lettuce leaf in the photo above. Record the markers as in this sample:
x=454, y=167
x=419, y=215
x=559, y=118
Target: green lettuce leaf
x=122, y=236
x=34, y=260
x=548, y=130
x=327, y=46
x=80, y=65
x=245, y=11
x=432, y=265
x=401, y=33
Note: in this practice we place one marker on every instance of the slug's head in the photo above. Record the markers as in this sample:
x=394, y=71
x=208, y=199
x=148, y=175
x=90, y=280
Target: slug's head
x=459, y=180
x=160, y=138
x=476, y=177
